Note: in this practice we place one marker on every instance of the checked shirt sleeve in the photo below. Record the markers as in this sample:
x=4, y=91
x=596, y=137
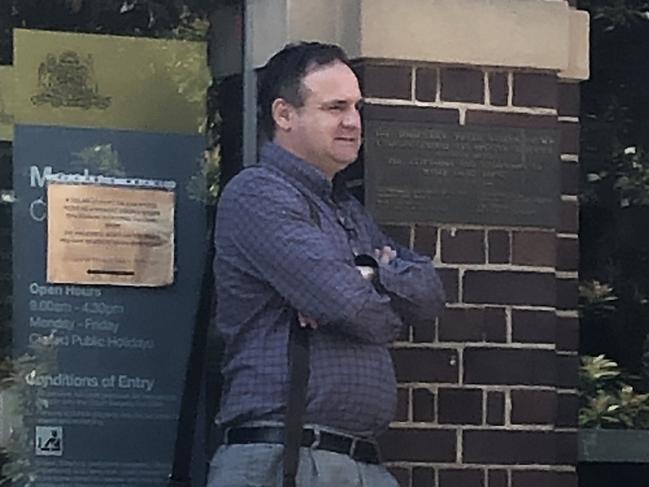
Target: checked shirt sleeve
x=270, y=223
x=410, y=279
x=413, y=284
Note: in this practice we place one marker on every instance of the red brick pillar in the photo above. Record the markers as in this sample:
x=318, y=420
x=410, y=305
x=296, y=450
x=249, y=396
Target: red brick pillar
x=486, y=393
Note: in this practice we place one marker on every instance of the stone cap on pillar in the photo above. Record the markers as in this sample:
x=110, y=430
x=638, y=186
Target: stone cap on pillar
x=525, y=34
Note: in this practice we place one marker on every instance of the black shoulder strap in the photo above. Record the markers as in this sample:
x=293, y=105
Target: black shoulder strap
x=180, y=473
x=298, y=362
x=298, y=354
x=313, y=211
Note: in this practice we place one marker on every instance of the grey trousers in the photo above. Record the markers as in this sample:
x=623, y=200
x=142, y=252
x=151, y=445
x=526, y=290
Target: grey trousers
x=260, y=465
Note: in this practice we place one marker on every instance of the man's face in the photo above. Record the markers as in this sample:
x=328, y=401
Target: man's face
x=326, y=130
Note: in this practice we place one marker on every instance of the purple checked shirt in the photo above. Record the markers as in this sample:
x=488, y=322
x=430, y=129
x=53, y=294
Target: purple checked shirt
x=286, y=240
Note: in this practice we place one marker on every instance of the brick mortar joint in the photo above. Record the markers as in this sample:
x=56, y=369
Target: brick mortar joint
x=567, y=157
x=438, y=66
x=498, y=267
x=450, y=227
x=435, y=387
x=485, y=389
x=570, y=157
x=515, y=307
x=456, y=105
x=567, y=391
x=570, y=197
x=485, y=406
x=510, y=88
x=567, y=313
x=476, y=466
x=460, y=281
x=508, y=410
x=509, y=325
x=460, y=428
x=567, y=275
x=461, y=346
x=487, y=88
x=413, y=83
x=568, y=353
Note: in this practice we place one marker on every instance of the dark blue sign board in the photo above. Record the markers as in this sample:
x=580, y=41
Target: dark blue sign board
x=110, y=408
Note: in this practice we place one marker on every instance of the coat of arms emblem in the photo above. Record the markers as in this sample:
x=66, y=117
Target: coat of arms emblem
x=69, y=81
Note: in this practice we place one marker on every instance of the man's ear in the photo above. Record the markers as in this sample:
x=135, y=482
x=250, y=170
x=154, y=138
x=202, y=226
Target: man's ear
x=282, y=114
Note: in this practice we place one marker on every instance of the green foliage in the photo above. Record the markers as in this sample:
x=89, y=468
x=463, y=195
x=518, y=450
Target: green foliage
x=192, y=26
x=615, y=14
x=14, y=376
x=99, y=159
x=179, y=19
x=596, y=298
x=597, y=373
x=627, y=178
x=204, y=184
x=632, y=179
x=168, y=19
x=191, y=77
x=606, y=399
x=614, y=199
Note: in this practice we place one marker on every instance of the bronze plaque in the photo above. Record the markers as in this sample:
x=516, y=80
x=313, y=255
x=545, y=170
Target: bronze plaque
x=442, y=173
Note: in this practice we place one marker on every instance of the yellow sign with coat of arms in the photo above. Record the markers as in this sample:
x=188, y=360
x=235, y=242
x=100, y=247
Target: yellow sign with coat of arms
x=113, y=82
x=6, y=97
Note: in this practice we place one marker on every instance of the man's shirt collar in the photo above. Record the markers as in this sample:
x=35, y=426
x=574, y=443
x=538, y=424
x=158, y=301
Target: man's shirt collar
x=303, y=172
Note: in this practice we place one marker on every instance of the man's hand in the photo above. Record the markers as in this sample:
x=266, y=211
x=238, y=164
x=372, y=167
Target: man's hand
x=385, y=255
x=366, y=271
x=307, y=322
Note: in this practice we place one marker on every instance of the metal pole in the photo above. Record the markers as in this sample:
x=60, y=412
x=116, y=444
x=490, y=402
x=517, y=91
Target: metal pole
x=249, y=148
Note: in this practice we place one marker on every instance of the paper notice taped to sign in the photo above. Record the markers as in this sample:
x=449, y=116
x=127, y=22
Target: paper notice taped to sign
x=113, y=235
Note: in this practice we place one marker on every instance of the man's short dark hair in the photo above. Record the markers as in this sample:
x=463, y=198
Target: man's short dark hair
x=283, y=74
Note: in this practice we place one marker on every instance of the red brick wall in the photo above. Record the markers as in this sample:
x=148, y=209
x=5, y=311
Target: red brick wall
x=487, y=392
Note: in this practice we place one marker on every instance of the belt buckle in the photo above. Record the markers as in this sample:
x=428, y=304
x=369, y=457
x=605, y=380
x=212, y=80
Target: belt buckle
x=316, y=439
x=352, y=448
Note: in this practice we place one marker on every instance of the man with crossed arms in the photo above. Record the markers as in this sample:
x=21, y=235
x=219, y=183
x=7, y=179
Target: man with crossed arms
x=288, y=238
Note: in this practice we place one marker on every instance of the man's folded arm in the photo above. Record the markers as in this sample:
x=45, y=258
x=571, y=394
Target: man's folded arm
x=410, y=280
x=414, y=286
x=275, y=231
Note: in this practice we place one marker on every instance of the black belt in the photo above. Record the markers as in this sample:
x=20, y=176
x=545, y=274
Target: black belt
x=360, y=450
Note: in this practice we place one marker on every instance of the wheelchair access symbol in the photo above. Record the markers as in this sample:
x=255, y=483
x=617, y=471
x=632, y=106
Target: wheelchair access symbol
x=49, y=441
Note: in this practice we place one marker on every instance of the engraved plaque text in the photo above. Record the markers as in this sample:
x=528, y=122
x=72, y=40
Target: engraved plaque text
x=440, y=173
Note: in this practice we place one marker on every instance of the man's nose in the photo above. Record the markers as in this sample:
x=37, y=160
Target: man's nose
x=352, y=118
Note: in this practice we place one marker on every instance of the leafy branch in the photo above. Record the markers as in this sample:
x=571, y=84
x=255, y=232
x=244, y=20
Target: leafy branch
x=606, y=399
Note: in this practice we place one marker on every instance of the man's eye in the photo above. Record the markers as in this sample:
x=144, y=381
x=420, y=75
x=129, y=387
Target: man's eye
x=335, y=108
